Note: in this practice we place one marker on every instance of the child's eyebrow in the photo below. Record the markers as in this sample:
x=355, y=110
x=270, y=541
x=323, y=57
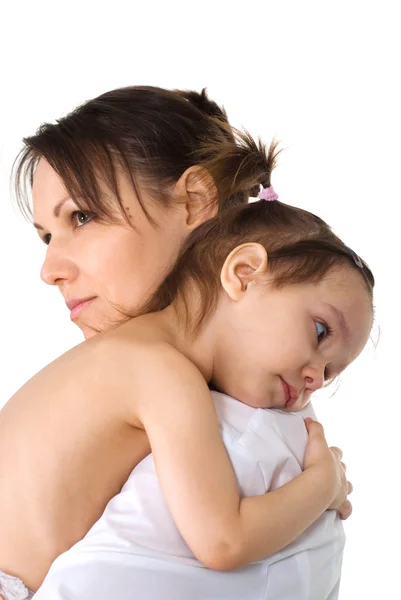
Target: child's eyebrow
x=56, y=211
x=344, y=327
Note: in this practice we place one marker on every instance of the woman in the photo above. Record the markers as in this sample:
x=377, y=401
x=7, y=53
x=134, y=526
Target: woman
x=98, y=156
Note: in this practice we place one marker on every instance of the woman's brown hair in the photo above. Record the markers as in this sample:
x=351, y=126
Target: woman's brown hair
x=151, y=135
x=301, y=247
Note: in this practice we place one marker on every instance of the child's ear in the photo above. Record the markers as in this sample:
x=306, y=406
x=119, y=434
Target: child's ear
x=242, y=267
x=196, y=192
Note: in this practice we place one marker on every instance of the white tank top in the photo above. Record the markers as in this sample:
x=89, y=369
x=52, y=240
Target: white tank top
x=135, y=551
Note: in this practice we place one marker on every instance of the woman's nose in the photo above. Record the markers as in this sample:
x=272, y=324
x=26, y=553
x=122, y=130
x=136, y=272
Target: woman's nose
x=57, y=268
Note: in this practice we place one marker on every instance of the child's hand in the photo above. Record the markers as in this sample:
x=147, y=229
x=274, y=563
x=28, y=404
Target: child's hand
x=327, y=464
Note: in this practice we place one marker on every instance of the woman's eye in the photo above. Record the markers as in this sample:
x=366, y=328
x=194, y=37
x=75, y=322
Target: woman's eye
x=322, y=331
x=78, y=218
x=81, y=218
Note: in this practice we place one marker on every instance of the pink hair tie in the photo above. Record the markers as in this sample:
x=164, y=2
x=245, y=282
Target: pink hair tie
x=268, y=194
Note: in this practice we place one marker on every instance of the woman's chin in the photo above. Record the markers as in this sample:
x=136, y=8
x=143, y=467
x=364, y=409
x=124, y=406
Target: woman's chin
x=88, y=332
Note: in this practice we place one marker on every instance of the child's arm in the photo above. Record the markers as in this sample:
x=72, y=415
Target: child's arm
x=224, y=532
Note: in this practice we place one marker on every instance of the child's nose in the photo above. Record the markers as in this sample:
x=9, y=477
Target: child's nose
x=314, y=377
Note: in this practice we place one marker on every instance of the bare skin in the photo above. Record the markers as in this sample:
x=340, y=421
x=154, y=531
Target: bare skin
x=95, y=418
x=50, y=499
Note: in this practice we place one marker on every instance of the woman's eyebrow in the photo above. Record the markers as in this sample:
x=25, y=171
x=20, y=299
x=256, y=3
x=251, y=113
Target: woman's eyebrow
x=56, y=211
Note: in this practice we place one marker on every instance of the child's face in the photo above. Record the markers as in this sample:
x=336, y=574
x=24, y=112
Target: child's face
x=112, y=263
x=279, y=346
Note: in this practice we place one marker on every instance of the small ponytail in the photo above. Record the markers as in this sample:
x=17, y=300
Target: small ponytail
x=240, y=165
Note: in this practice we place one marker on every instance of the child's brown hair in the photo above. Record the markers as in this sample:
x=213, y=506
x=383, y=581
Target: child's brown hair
x=301, y=247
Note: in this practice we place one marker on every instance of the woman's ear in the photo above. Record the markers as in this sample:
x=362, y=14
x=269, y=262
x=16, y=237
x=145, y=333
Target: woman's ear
x=242, y=267
x=196, y=192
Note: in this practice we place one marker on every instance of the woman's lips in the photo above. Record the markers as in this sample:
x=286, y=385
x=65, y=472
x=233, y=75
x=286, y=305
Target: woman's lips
x=77, y=306
x=290, y=394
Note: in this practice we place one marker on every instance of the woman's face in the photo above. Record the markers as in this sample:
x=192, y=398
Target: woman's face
x=97, y=266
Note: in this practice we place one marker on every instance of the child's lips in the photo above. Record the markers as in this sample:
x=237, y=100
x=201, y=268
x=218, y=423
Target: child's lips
x=290, y=394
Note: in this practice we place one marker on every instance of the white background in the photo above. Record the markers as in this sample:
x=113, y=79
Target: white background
x=325, y=78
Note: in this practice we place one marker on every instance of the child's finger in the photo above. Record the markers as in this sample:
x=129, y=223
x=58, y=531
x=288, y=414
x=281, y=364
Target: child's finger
x=314, y=428
x=337, y=451
x=345, y=510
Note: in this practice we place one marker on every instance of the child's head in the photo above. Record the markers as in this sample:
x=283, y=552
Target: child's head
x=129, y=165
x=289, y=305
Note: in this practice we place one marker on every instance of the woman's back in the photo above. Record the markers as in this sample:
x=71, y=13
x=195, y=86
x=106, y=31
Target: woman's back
x=136, y=551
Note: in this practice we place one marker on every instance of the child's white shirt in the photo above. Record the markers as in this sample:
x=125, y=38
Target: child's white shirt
x=135, y=552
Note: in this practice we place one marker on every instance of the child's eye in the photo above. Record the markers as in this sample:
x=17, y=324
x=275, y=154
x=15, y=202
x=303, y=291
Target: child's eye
x=322, y=331
x=81, y=218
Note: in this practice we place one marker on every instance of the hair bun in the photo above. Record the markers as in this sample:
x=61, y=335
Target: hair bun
x=204, y=104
